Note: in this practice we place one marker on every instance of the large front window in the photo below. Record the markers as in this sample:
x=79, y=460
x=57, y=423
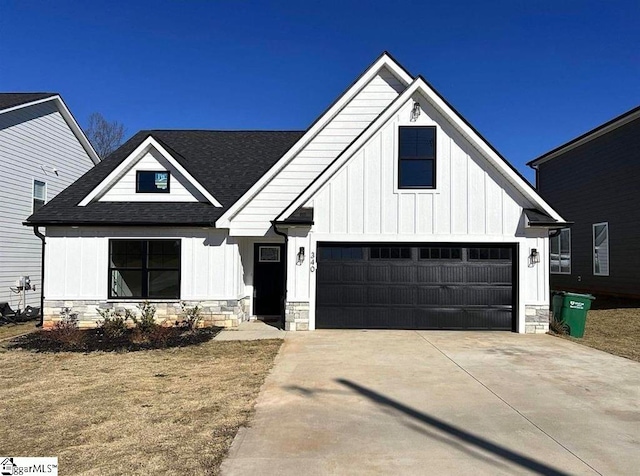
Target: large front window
x=144, y=269
x=417, y=157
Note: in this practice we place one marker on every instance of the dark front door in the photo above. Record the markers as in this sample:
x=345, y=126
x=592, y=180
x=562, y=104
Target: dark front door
x=268, y=279
x=416, y=286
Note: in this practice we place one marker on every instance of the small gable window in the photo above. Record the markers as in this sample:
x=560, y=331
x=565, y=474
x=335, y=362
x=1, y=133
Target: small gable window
x=39, y=195
x=417, y=157
x=152, y=182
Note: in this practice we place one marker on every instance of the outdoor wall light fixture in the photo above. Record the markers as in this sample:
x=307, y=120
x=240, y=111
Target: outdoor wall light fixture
x=301, y=255
x=415, y=111
x=534, y=257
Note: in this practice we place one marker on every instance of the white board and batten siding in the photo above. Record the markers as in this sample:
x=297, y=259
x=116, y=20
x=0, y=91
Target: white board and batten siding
x=472, y=203
x=77, y=262
x=367, y=104
x=124, y=188
x=35, y=142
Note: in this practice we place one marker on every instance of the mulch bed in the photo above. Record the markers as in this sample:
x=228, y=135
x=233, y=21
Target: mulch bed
x=94, y=340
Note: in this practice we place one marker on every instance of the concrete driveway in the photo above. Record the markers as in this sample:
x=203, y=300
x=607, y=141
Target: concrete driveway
x=404, y=402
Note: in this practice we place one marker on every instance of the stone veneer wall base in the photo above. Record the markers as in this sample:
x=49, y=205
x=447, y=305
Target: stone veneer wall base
x=296, y=316
x=215, y=313
x=536, y=319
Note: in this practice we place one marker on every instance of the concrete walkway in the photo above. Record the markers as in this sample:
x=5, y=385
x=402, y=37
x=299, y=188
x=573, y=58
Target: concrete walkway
x=251, y=330
x=404, y=402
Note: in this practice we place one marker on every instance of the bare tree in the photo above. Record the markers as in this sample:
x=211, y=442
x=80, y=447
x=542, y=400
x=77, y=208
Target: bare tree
x=105, y=136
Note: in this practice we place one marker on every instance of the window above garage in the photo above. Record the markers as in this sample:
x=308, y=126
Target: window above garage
x=417, y=157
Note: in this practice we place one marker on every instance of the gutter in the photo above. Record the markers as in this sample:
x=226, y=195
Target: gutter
x=36, y=231
x=286, y=254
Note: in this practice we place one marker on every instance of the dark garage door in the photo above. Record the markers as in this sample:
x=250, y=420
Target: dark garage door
x=415, y=287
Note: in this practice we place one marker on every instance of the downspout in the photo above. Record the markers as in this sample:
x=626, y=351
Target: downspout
x=286, y=253
x=36, y=231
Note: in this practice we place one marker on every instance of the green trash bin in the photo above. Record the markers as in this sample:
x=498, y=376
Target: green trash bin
x=574, y=312
x=556, y=304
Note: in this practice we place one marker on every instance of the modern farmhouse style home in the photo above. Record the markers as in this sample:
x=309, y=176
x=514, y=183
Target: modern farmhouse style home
x=390, y=211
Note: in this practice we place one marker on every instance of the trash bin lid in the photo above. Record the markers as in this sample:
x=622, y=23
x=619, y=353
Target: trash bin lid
x=584, y=296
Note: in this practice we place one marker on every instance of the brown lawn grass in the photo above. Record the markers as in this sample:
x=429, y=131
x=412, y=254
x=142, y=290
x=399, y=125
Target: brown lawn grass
x=616, y=331
x=149, y=412
x=11, y=330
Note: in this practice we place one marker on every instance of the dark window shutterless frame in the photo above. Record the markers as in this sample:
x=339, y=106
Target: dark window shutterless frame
x=417, y=157
x=149, y=269
x=147, y=181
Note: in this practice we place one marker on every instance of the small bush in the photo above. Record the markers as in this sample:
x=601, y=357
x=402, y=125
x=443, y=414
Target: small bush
x=147, y=321
x=191, y=316
x=558, y=327
x=113, y=325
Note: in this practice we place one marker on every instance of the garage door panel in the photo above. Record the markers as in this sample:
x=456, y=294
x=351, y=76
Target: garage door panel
x=384, y=286
x=403, y=273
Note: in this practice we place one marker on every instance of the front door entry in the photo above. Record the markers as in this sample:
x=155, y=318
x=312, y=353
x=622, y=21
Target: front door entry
x=268, y=279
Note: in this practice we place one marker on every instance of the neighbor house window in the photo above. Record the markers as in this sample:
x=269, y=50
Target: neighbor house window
x=417, y=157
x=39, y=195
x=601, y=249
x=560, y=256
x=144, y=269
x=152, y=182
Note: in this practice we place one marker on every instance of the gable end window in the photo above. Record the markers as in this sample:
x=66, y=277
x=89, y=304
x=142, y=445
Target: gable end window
x=417, y=157
x=39, y=195
x=152, y=181
x=560, y=256
x=601, y=249
x=144, y=269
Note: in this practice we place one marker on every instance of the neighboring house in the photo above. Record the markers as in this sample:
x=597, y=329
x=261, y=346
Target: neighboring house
x=42, y=151
x=390, y=211
x=594, y=181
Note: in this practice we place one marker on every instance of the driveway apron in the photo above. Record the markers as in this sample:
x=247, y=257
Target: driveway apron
x=405, y=402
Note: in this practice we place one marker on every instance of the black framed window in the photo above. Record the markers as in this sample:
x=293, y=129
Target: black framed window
x=144, y=269
x=390, y=252
x=478, y=254
x=153, y=181
x=441, y=253
x=341, y=253
x=417, y=157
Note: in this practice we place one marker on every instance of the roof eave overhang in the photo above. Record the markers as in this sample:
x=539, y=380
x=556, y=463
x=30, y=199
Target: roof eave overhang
x=601, y=130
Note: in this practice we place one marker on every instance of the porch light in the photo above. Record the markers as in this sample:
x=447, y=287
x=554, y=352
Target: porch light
x=415, y=111
x=534, y=257
x=301, y=255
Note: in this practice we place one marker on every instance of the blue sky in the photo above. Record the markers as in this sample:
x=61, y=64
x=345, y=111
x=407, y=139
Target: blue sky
x=529, y=75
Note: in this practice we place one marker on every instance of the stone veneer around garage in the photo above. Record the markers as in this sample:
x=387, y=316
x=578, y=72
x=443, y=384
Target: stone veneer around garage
x=296, y=316
x=536, y=319
x=220, y=313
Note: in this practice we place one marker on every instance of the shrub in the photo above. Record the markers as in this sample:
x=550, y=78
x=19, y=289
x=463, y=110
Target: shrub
x=559, y=327
x=147, y=321
x=113, y=325
x=191, y=316
x=65, y=332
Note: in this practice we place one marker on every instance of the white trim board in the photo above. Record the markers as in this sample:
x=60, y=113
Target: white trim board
x=146, y=145
x=422, y=87
x=384, y=61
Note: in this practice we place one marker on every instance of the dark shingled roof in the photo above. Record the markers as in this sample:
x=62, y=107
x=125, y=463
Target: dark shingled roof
x=8, y=100
x=226, y=163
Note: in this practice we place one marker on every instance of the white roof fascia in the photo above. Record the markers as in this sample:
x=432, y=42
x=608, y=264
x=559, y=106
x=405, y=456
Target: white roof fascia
x=70, y=120
x=146, y=145
x=384, y=61
x=420, y=85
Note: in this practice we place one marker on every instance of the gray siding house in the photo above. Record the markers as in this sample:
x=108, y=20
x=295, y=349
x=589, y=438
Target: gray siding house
x=594, y=181
x=42, y=151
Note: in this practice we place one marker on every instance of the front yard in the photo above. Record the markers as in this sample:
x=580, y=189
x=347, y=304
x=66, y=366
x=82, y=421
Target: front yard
x=149, y=412
x=616, y=331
